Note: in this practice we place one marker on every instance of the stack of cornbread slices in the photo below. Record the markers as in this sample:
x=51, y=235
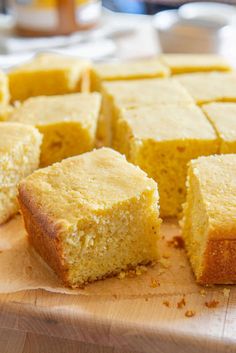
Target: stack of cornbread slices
x=161, y=113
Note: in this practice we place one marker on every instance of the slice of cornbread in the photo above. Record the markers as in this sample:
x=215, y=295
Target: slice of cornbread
x=68, y=123
x=209, y=225
x=4, y=88
x=128, y=70
x=183, y=63
x=5, y=111
x=48, y=74
x=136, y=93
x=19, y=156
x=210, y=87
x=91, y=216
x=161, y=140
x=223, y=118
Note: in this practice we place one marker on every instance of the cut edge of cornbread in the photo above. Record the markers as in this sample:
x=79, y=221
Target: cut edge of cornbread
x=104, y=241
x=222, y=116
x=210, y=242
x=16, y=162
x=147, y=136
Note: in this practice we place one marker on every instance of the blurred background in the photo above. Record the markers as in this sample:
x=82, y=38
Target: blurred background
x=115, y=29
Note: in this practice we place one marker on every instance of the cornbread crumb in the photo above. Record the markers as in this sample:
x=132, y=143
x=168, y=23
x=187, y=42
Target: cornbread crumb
x=203, y=292
x=177, y=242
x=46, y=75
x=154, y=283
x=164, y=262
x=121, y=275
x=190, y=313
x=181, y=303
x=226, y=292
x=87, y=220
x=166, y=303
x=212, y=304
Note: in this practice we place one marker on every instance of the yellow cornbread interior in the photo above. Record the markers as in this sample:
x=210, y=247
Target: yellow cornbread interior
x=223, y=118
x=128, y=70
x=210, y=87
x=135, y=93
x=209, y=216
x=47, y=74
x=185, y=63
x=19, y=156
x=105, y=222
x=68, y=123
x=161, y=140
x=4, y=88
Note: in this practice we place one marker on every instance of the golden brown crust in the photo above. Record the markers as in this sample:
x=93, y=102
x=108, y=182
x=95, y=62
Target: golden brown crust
x=43, y=235
x=219, y=266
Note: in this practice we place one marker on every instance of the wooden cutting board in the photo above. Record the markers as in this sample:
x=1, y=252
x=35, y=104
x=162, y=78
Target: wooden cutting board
x=40, y=322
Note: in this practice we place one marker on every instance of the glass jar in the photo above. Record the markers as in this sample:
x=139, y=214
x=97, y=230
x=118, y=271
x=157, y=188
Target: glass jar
x=54, y=17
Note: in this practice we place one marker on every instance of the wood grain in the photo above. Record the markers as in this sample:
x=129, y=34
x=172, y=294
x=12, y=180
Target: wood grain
x=41, y=322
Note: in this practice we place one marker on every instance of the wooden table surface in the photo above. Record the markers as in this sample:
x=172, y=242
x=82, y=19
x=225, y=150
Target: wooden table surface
x=39, y=321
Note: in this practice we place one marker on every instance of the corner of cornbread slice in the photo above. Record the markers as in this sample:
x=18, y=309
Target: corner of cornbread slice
x=91, y=216
x=209, y=223
x=4, y=89
x=223, y=118
x=210, y=86
x=127, y=70
x=68, y=123
x=19, y=156
x=161, y=140
x=133, y=93
x=185, y=63
x=47, y=74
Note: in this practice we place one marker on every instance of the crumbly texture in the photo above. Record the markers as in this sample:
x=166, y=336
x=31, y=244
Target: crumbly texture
x=19, y=156
x=209, y=226
x=127, y=70
x=129, y=94
x=68, y=123
x=48, y=74
x=210, y=87
x=185, y=63
x=91, y=216
x=161, y=140
x=223, y=118
x=4, y=88
x=5, y=111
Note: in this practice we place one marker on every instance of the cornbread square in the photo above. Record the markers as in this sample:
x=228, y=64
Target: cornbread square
x=223, y=118
x=161, y=140
x=5, y=111
x=19, y=156
x=48, y=74
x=128, y=70
x=127, y=94
x=210, y=87
x=4, y=88
x=209, y=224
x=87, y=220
x=183, y=63
x=68, y=123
